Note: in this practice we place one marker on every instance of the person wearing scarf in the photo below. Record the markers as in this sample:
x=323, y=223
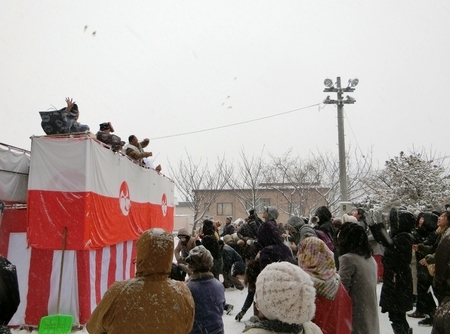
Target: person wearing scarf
x=333, y=304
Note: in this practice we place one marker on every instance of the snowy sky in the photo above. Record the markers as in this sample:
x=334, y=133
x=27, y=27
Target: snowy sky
x=161, y=68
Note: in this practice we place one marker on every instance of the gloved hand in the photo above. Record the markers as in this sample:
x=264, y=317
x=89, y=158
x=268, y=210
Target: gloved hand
x=239, y=316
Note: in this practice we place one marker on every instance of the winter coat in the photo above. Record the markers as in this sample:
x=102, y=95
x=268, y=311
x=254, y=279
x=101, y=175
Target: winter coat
x=334, y=316
x=112, y=140
x=328, y=228
x=181, y=251
x=431, y=249
x=273, y=248
x=325, y=224
x=9, y=291
x=441, y=282
x=249, y=229
x=136, y=153
x=150, y=302
x=230, y=256
x=359, y=277
x=209, y=298
x=293, y=226
x=442, y=319
x=267, y=327
x=397, y=291
x=227, y=229
x=426, y=234
x=212, y=244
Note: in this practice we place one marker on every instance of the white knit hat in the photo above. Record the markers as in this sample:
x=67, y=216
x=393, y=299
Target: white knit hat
x=346, y=218
x=286, y=293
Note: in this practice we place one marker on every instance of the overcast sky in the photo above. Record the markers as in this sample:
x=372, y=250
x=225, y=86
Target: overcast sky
x=163, y=68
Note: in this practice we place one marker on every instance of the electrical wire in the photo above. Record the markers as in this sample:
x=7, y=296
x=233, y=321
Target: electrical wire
x=239, y=123
x=356, y=140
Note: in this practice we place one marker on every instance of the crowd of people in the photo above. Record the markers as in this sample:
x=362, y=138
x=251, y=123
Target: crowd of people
x=306, y=276
x=344, y=257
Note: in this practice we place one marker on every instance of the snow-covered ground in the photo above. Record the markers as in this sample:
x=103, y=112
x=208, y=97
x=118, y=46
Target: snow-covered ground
x=236, y=298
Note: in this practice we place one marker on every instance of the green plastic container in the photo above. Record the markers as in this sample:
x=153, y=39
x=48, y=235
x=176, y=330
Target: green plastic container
x=56, y=324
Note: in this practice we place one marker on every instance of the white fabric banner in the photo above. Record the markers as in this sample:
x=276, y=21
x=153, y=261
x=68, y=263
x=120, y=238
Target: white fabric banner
x=84, y=165
x=14, y=167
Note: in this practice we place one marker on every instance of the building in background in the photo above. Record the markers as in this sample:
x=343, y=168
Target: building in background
x=184, y=216
x=289, y=199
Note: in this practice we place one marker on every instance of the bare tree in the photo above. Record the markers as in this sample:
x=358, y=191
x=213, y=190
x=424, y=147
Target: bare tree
x=359, y=166
x=245, y=182
x=306, y=184
x=199, y=184
x=296, y=181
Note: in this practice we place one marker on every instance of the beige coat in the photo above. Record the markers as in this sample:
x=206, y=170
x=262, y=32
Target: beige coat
x=151, y=302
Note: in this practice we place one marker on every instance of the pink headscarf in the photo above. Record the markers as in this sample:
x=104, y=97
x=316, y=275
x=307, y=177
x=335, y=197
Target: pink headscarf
x=317, y=260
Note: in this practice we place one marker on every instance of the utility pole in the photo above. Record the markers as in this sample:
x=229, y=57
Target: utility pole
x=340, y=115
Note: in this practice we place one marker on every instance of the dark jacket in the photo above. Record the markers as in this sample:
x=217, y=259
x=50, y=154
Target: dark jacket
x=325, y=224
x=212, y=244
x=9, y=291
x=230, y=256
x=249, y=229
x=396, y=293
x=426, y=234
x=227, y=229
x=441, y=281
x=273, y=248
x=209, y=298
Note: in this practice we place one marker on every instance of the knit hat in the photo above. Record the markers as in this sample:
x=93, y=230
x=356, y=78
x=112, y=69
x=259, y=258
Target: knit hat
x=349, y=219
x=307, y=231
x=272, y=211
x=286, y=293
x=296, y=222
x=200, y=259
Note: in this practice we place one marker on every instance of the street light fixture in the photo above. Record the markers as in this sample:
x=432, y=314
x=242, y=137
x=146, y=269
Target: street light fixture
x=328, y=83
x=341, y=139
x=353, y=83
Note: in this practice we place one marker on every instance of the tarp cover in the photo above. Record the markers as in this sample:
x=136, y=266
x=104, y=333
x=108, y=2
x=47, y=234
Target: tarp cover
x=13, y=175
x=102, y=197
